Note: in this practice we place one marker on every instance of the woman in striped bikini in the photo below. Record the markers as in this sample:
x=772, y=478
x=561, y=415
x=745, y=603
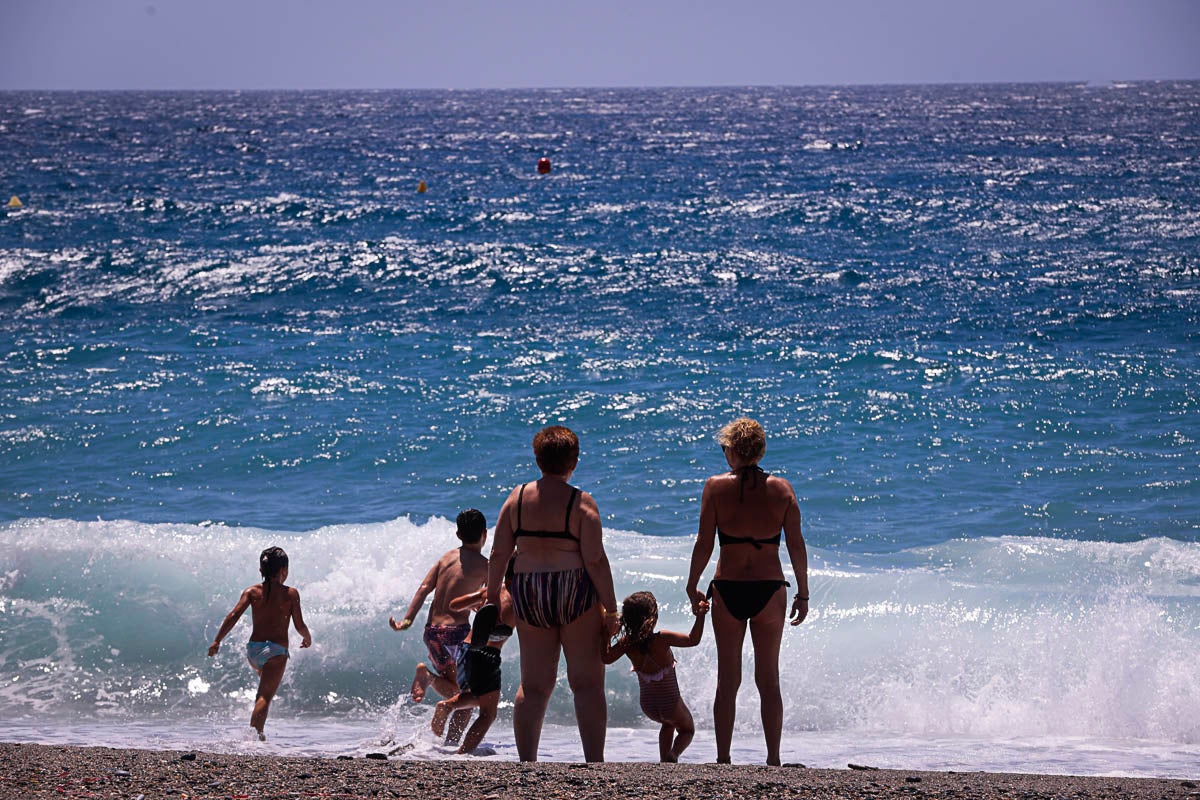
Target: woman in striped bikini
x=744, y=511
x=650, y=653
x=562, y=593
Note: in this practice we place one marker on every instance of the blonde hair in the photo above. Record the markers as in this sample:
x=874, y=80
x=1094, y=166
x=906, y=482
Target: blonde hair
x=745, y=437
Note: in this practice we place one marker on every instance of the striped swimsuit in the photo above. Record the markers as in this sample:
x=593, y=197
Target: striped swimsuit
x=659, y=692
x=550, y=599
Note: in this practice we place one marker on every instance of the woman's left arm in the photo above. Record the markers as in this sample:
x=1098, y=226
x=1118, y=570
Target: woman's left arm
x=798, y=554
x=595, y=560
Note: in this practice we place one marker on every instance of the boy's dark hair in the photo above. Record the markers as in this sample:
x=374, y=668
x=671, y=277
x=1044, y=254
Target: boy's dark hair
x=471, y=526
x=556, y=449
x=270, y=562
x=639, y=612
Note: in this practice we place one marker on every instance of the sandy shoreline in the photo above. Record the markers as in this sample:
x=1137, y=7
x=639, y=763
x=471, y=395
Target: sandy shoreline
x=32, y=771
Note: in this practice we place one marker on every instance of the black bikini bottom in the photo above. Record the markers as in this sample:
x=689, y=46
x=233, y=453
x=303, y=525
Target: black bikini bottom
x=745, y=599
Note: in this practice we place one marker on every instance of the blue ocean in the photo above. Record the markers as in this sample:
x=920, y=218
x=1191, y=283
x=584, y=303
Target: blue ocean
x=967, y=316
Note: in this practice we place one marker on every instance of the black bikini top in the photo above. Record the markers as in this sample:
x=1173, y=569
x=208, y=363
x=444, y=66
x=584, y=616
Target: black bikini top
x=565, y=533
x=724, y=539
x=744, y=474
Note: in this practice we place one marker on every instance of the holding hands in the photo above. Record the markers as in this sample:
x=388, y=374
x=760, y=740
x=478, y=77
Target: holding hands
x=698, y=599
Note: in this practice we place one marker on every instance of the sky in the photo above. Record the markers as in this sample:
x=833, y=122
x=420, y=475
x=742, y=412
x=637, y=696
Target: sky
x=452, y=44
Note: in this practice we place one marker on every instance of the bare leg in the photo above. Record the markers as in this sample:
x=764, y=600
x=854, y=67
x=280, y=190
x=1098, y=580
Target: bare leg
x=766, y=635
x=268, y=684
x=540, y=649
x=665, y=736
x=442, y=711
x=686, y=729
x=487, y=715
x=729, y=633
x=582, y=642
x=458, y=724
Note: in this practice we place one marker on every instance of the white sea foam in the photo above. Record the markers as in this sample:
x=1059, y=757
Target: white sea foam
x=987, y=640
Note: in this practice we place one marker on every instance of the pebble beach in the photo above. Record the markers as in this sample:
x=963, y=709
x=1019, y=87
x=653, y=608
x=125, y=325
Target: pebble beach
x=33, y=771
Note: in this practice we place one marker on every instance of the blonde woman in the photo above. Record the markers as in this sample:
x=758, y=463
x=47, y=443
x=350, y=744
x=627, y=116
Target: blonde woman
x=746, y=512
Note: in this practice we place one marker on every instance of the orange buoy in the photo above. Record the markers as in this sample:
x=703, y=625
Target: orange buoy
x=15, y=202
x=422, y=188
x=543, y=166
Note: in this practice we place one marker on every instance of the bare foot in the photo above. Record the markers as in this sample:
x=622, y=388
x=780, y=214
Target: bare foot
x=441, y=713
x=421, y=681
x=670, y=758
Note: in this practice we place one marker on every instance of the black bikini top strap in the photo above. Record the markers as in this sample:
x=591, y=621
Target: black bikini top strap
x=520, y=497
x=570, y=505
x=744, y=473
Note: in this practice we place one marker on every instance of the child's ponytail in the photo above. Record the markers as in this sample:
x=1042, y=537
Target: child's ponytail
x=272, y=560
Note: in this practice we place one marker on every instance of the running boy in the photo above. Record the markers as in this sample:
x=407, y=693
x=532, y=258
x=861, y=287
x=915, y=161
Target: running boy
x=457, y=572
x=272, y=606
x=479, y=665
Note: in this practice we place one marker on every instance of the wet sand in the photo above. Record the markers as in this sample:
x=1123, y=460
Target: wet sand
x=32, y=771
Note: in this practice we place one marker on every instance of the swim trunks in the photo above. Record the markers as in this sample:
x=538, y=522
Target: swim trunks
x=260, y=653
x=479, y=670
x=443, y=643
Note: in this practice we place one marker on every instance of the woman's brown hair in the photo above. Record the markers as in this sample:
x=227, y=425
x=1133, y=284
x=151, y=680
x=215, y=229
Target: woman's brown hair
x=556, y=449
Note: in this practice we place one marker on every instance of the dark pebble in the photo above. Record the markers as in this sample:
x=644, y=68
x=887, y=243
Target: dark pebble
x=188, y=757
x=912, y=779
x=378, y=756
x=345, y=758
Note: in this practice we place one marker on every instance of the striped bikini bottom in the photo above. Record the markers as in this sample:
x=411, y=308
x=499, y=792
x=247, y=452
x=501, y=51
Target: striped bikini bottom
x=551, y=599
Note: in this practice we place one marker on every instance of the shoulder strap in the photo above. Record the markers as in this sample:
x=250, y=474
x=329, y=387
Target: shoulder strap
x=520, y=497
x=570, y=504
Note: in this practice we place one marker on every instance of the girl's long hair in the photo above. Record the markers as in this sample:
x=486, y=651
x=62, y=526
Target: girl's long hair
x=270, y=562
x=639, y=614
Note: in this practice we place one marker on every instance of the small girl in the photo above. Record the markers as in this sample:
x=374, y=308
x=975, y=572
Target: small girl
x=478, y=665
x=650, y=653
x=273, y=608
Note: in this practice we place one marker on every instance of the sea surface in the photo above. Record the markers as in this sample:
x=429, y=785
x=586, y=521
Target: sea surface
x=967, y=316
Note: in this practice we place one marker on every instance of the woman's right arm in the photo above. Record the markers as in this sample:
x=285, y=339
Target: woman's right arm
x=503, y=545
x=703, y=549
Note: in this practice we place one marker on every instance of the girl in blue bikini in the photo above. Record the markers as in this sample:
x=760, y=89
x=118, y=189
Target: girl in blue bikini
x=273, y=607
